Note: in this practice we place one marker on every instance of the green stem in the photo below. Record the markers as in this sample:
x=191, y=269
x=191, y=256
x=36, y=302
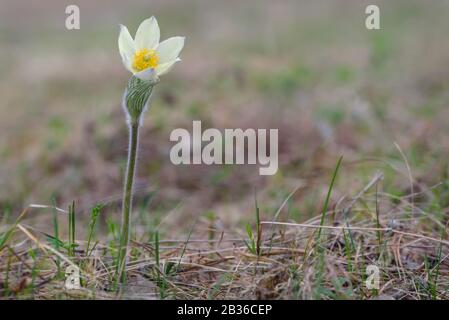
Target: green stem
x=127, y=199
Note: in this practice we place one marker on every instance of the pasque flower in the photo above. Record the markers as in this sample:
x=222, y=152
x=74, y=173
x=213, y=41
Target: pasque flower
x=147, y=59
x=144, y=56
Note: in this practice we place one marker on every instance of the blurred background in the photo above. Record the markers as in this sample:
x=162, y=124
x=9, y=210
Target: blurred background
x=309, y=68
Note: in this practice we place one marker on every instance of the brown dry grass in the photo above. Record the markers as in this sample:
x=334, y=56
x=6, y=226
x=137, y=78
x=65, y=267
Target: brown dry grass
x=291, y=262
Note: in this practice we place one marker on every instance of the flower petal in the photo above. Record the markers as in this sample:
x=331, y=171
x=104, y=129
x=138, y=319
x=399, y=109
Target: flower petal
x=168, y=50
x=127, y=64
x=125, y=44
x=165, y=67
x=148, y=34
x=147, y=74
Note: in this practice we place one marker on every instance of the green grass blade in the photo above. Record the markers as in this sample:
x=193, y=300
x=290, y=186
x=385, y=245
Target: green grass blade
x=329, y=192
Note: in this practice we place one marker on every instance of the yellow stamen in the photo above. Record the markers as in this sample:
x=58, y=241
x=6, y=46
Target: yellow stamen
x=144, y=59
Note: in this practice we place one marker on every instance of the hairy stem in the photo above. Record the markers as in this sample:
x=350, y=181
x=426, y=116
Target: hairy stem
x=127, y=199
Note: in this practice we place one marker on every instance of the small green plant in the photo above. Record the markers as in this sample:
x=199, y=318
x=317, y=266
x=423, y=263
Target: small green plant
x=250, y=242
x=161, y=281
x=320, y=263
x=56, y=241
x=433, y=272
x=329, y=192
x=253, y=243
x=72, y=226
x=91, y=229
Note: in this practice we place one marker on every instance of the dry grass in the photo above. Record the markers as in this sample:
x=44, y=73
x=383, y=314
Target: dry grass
x=289, y=260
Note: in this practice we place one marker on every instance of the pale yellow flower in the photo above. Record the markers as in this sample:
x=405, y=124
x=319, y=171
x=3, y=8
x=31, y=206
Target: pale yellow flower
x=144, y=56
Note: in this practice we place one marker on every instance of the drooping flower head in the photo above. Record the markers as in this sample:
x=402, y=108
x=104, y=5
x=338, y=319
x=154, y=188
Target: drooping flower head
x=144, y=56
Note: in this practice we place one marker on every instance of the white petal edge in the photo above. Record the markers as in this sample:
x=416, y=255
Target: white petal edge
x=168, y=50
x=148, y=34
x=127, y=64
x=125, y=44
x=147, y=74
x=165, y=67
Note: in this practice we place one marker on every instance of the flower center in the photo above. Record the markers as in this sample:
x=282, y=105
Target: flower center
x=144, y=59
